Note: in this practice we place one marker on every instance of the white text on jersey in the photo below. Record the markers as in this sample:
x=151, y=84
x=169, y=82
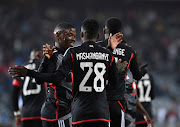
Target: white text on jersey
x=92, y=55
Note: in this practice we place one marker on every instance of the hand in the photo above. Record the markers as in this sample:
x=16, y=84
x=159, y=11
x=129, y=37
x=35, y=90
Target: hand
x=47, y=51
x=115, y=40
x=18, y=71
x=148, y=120
x=121, y=65
x=18, y=121
x=144, y=66
x=143, y=69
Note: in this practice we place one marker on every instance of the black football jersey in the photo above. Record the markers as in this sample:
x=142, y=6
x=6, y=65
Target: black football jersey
x=33, y=94
x=145, y=93
x=59, y=97
x=126, y=53
x=93, y=68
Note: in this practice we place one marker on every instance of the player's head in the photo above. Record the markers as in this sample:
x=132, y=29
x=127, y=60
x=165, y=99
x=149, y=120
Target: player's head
x=89, y=30
x=113, y=25
x=36, y=54
x=65, y=35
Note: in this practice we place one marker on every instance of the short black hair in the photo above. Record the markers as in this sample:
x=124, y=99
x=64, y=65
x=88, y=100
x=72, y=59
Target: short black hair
x=91, y=28
x=64, y=25
x=114, y=25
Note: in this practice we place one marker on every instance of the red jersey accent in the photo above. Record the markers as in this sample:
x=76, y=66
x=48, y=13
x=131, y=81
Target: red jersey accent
x=30, y=118
x=90, y=120
x=112, y=60
x=16, y=83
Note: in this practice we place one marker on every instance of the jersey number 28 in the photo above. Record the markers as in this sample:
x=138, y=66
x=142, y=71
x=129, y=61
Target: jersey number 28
x=99, y=76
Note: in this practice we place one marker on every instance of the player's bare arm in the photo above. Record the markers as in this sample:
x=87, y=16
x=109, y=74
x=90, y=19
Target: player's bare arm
x=48, y=51
x=144, y=113
x=18, y=121
x=115, y=40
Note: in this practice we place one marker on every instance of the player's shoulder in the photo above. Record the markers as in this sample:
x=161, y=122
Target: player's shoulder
x=103, y=49
x=127, y=47
x=28, y=63
x=102, y=43
x=32, y=64
x=72, y=49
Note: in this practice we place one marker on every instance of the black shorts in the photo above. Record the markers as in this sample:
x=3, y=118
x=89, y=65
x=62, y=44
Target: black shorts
x=130, y=119
x=141, y=125
x=92, y=124
x=116, y=114
x=58, y=123
x=32, y=123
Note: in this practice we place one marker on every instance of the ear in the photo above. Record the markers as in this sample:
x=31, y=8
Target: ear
x=81, y=34
x=97, y=36
x=104, y=30
x=56, y=36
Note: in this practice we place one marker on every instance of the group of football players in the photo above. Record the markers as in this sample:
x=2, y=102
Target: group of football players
x=89, y=85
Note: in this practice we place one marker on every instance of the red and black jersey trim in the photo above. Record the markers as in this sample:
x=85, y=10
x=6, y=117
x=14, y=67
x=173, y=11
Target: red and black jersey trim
x=142, y=122
x=16, y=83
x=57, y=104
x=30, y=118
x=123, y=106
x=82, y=121
x=112, y=60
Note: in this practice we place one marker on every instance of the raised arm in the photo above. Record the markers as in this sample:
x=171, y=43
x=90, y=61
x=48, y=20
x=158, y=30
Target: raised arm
x=144, y=113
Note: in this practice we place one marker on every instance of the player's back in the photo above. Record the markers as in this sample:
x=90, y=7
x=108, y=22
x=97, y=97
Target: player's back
x=33, y=94
x=124, y=52
x=91, y=70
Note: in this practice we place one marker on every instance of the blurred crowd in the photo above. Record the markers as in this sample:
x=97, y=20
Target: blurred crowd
x=152, y=32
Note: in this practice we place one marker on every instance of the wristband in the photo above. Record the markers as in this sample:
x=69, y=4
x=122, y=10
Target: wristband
x=17, y=113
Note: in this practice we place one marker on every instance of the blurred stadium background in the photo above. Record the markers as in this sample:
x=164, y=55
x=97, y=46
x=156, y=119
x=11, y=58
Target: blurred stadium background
x=151, y=27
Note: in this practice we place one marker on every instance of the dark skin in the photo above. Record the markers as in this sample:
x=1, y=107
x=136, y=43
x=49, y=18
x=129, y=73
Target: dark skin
x=36, y=55
x=21, y=71
x=143, y=112
x=139, y=105
x=18, y=121
x=64, y=39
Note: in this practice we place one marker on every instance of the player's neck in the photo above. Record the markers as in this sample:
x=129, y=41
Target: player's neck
x=106, y=36
x=92, y=40
x=59, y=47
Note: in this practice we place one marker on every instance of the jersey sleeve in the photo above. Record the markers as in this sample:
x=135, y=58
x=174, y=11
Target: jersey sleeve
x=47, y=65
x=58, y=75
x=115, y=89
x=15, y=94
x=134, y=67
